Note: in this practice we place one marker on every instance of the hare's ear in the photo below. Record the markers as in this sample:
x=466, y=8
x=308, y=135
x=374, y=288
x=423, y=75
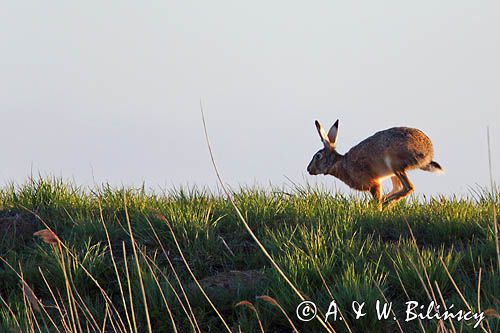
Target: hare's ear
x=333, y=133
x=322, y=134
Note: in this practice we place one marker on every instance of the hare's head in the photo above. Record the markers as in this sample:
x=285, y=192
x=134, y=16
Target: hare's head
x=323, y=161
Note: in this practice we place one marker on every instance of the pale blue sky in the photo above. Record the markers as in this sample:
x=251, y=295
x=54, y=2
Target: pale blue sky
x=111, y=89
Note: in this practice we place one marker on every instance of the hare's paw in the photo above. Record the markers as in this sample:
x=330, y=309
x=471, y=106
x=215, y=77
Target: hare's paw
x=388, y=203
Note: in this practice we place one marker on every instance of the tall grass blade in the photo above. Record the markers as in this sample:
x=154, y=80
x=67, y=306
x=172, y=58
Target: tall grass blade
x=138, y=266
x=247, y=227
x=494, y=201
x=226, y=326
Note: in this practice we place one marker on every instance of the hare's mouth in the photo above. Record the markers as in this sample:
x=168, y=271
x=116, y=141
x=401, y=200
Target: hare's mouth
x=311, y=171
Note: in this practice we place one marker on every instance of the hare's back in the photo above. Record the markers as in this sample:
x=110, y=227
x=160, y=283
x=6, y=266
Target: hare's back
x=404, y=147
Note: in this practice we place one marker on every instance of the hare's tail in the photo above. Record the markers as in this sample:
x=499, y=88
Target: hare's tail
x=433, y=167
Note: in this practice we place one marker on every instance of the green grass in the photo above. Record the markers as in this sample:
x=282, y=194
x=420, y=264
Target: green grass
x=325, y=243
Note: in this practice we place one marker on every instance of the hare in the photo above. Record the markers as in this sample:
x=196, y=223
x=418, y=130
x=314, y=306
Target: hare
x=386, y=154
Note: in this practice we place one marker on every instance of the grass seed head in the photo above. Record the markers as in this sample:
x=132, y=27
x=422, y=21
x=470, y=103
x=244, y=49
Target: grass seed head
x=492, y=313
x=48, y=236
x=268, y=299
x=246, y=304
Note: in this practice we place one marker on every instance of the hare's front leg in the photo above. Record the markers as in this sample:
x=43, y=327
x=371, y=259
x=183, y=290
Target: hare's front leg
x=376, y=191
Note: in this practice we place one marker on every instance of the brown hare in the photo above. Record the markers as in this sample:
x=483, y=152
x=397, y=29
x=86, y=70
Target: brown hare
x=386, y=154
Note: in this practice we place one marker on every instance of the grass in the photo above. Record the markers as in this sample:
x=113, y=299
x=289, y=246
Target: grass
x=128, y=260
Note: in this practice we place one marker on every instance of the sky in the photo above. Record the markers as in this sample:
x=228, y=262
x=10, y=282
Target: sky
x=109, y=91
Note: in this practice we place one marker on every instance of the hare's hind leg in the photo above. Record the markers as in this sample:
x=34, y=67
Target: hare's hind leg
x=407, y=188
x=396, y=186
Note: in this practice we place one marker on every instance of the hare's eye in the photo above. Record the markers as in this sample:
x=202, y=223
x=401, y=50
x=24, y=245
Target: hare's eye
x=318, y=156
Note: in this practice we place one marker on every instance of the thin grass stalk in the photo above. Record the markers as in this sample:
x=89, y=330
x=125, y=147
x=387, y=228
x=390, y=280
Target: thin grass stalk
x=272, y=301
x=107, y=299
x=407, y=295
x=444, y=305
x=103, y=292
x=344, y=320
x=421, y=261
x=386, y=301
x=458, y=291
x=479, y=290
x=21, y=278
x=252, y=307
x=247, y=227
x=115, y=267
x=494, y=201
x=30, y=295
x=85, y=310
x=33, y=302
x=192, y=320
x=103, y=329
x=162, y=293
x=177, y=296
x=129, y=284
x=422, y=282
x=111, y=321
x=138, y=266
x=26, y=309
x=65, y=312
x=193, y=276
x=73, y=299
x=73, y=303
x=14, y=317
x=57, y=306
x=50, y=237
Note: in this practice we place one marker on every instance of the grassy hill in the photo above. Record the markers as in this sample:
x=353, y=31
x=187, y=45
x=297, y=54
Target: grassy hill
x=113, y=263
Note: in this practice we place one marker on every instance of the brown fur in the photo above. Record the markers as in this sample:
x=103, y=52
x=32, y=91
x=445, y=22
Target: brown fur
x=386, y=154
